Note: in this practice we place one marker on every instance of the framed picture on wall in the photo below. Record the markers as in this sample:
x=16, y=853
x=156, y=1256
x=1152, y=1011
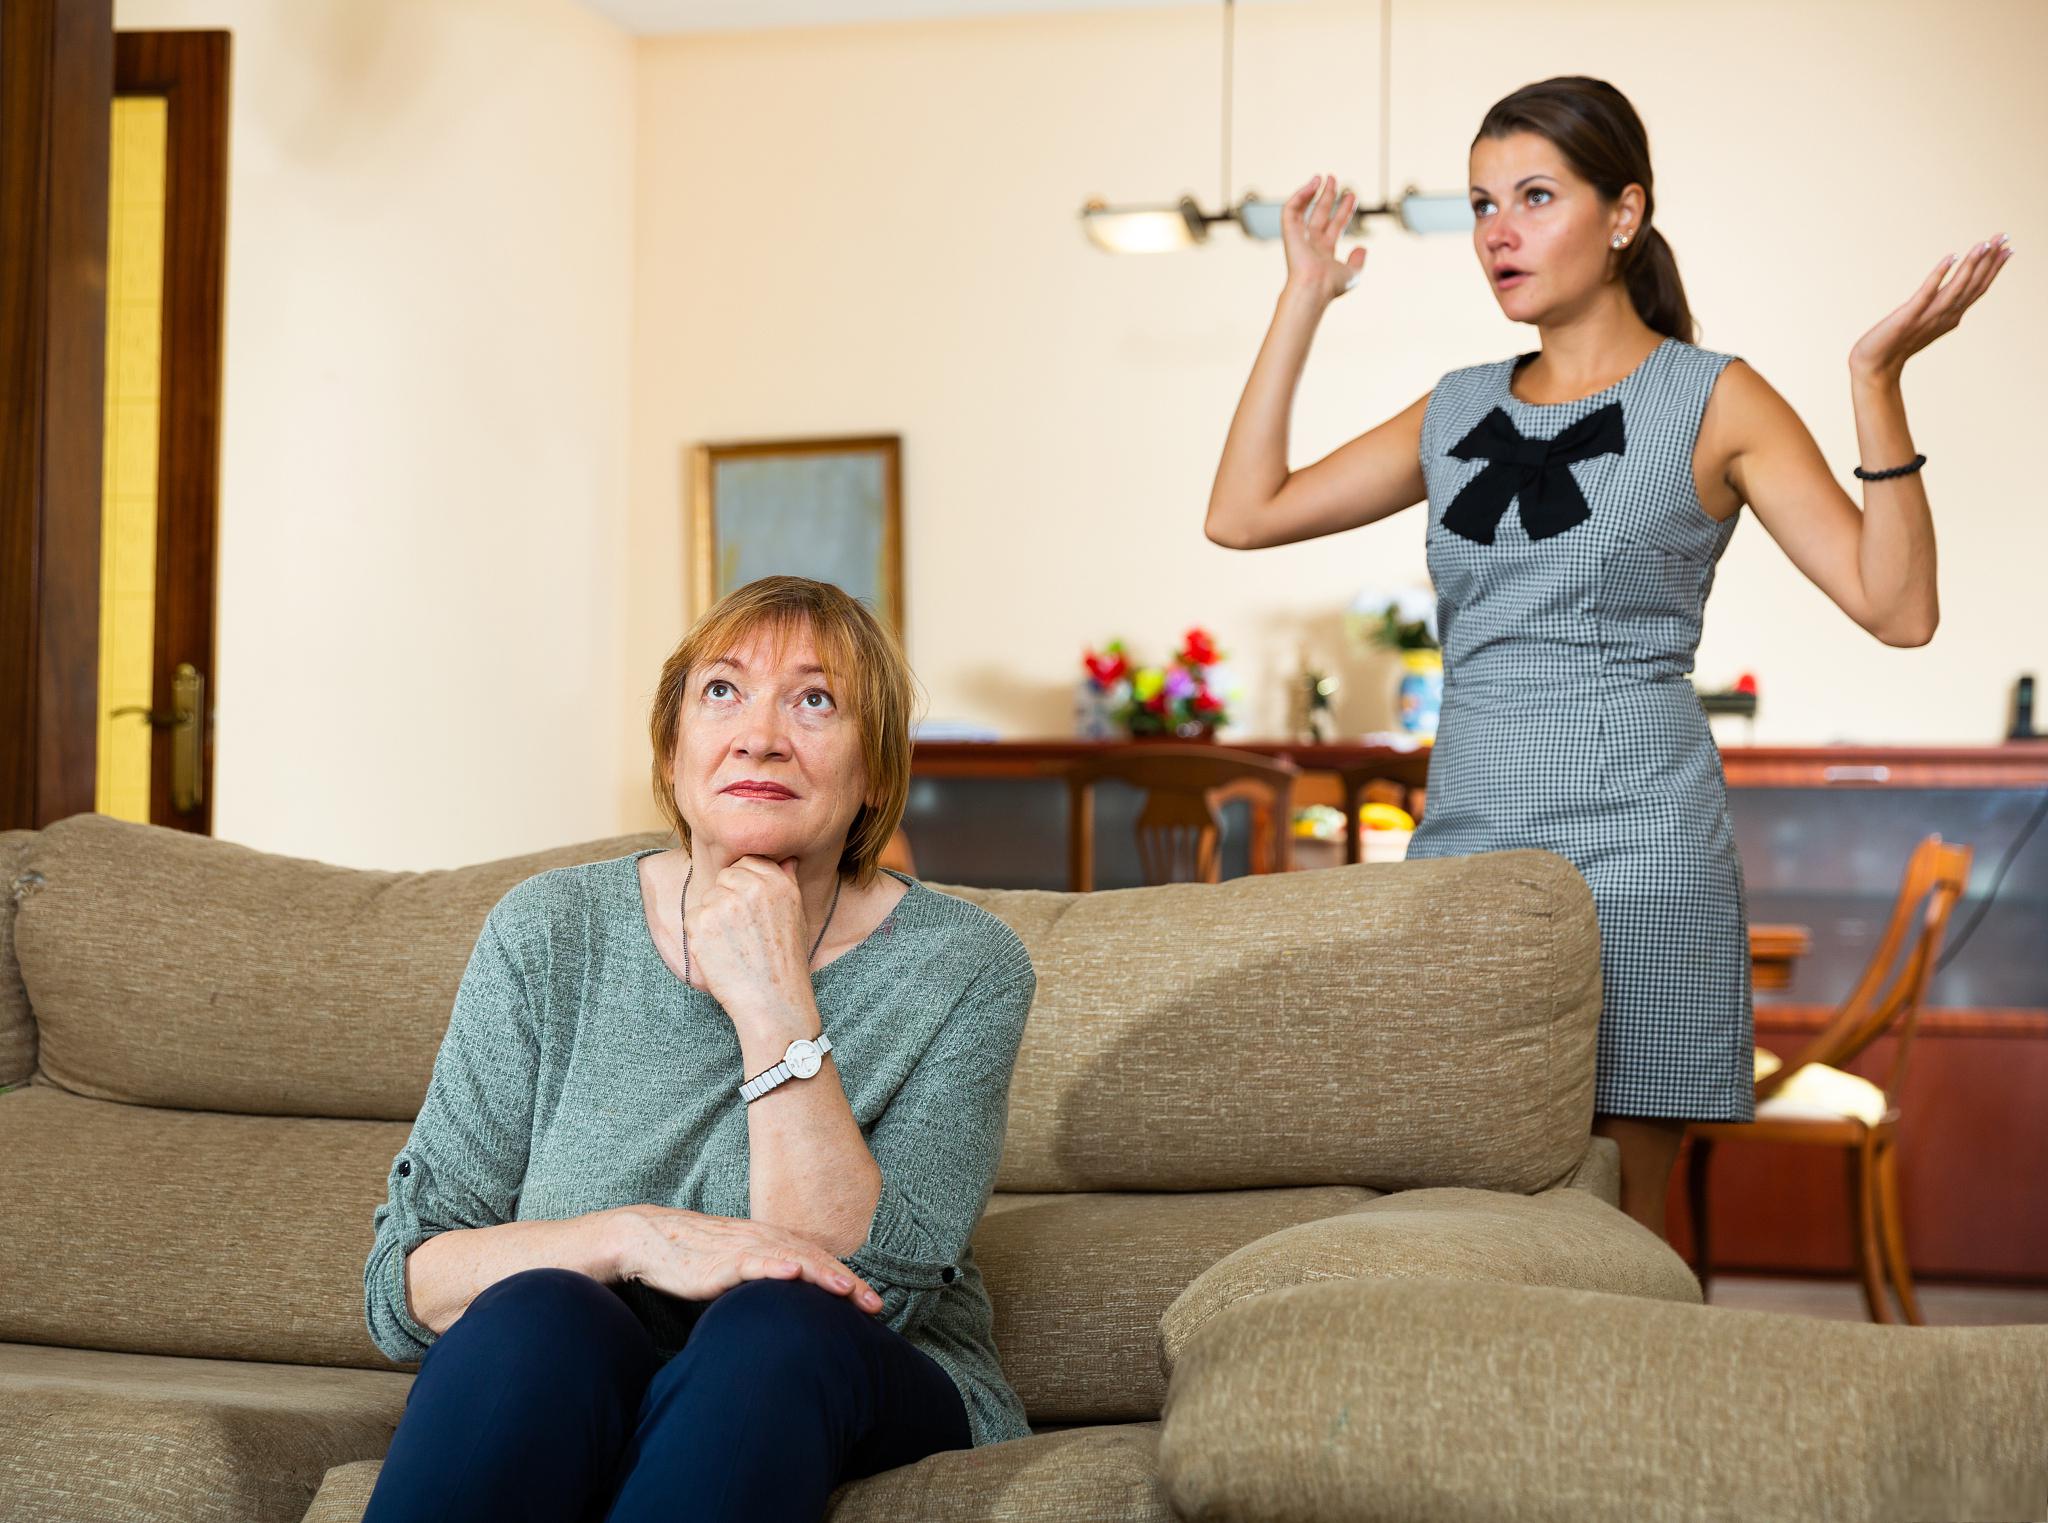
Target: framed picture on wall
x=825, y=508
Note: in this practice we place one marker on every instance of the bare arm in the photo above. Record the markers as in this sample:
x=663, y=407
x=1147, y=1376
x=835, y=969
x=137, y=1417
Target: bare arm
x=808, y=1167
x=451, y=1269
x=1256, y=500
x=683, y=1253
x=1877, y=564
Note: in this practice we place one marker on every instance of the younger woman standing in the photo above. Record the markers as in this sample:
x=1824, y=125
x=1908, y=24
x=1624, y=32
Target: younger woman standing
x=1580, y=496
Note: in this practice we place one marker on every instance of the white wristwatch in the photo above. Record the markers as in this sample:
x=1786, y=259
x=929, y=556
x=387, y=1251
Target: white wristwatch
x=800, y=1060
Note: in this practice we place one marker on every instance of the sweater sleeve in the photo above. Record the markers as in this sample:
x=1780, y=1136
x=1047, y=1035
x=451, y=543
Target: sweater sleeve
x=939, y=1142
x=466, y=1159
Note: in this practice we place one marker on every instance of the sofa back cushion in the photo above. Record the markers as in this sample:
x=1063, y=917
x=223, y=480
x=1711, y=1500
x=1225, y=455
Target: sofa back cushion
x=233, y=1045
x=1390, y=1026
x=176, y=970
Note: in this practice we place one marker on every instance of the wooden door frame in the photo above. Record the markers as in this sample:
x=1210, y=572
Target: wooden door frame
x=56, y=87
x=189, y=70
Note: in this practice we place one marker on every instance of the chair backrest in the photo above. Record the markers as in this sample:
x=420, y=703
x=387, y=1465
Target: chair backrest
x=1408, y=774
x=1179, y=831
x=1893, y=987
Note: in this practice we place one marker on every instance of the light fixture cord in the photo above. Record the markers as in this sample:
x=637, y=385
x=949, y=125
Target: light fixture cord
x=1229, y=44
x=1386, y=88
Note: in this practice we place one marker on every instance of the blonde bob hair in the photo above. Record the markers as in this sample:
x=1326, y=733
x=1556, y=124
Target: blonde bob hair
x=869, y=676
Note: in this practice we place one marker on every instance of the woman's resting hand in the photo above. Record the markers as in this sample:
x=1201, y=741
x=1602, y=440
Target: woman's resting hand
x=695, y=1257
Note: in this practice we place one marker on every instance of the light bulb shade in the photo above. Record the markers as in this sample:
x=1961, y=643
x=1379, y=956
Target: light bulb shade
x=1435, y=214
x=1260, y=219
x=1145, y=229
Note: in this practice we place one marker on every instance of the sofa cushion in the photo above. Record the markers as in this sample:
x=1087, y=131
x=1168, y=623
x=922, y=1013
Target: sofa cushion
x=1079, y=1281
x=17, y=1028
x=1437, y=1400
x=186, y=1204
x=176, y=970
x=88, y=1437
x=1394, y=1025
x=187, y=1232
x=1077, y=1475
x=1561, y=1237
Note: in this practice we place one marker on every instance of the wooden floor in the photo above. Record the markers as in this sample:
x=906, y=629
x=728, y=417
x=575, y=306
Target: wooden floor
x=1942, y=1305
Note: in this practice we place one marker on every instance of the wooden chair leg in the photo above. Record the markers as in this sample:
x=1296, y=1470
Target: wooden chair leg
x=1863, y=1224
x=1696, y=1208
x=1891, y=1228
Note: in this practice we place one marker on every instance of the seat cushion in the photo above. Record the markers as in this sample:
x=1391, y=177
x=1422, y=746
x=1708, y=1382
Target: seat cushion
x=1077, y=1475
x=89, y=1437
x=1818, y=1093
x=1079, y=1281
x=1566, y=1237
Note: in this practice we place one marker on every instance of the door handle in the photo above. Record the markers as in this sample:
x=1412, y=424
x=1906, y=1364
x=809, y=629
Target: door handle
x=188, y=738
x=188, y=709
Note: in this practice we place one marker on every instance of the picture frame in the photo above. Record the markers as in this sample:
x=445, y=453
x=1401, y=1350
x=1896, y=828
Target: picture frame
x=828, y=508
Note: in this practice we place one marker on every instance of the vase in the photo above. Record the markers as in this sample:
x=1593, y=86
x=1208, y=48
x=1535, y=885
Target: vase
x=1095, y=710
x=1420, y=697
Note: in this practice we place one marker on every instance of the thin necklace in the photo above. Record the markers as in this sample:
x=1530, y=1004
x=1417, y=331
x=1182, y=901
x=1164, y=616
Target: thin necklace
x=837, y=885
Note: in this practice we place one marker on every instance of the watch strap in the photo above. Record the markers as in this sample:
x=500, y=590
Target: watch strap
x=781, y=1073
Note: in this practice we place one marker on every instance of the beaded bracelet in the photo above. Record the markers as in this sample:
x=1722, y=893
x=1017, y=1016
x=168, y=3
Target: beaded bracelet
x=1897, y=470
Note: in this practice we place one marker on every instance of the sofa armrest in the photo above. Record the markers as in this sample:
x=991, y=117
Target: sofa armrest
x=1565, y=1237
x=17, y=1021
x=1429, y=1399
x=1599, y=1172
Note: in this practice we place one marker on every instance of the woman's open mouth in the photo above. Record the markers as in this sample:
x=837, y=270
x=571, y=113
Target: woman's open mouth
x=1510, y=278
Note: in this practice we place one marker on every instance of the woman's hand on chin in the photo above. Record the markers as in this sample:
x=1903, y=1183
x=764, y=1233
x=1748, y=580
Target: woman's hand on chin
x=698, y=1258
x=747, y=936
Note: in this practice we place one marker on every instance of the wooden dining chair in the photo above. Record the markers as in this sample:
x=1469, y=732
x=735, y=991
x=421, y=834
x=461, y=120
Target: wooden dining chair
x=1179, y=828
x=1406, y=776
x=1811, y=1100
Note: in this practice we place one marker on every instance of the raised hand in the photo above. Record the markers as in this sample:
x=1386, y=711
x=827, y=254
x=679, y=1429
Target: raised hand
x=695, y=1257
x=1309, y=225
x=1931, y=311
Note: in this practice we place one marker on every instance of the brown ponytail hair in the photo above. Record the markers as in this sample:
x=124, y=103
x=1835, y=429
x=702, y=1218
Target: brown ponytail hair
x=1596, y=129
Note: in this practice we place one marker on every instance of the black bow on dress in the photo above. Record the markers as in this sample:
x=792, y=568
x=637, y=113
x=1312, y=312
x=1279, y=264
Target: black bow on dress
x=1537, y=471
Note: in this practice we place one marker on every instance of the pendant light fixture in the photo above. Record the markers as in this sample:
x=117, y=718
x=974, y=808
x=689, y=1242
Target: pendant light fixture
x=1184, y=224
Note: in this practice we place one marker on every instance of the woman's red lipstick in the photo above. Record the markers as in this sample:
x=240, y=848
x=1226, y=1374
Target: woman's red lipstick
x=755, y=788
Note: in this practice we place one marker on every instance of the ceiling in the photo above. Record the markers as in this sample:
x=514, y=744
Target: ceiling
x=654, y=18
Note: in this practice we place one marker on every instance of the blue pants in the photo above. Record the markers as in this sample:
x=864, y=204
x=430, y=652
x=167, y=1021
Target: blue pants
x=547, y=1400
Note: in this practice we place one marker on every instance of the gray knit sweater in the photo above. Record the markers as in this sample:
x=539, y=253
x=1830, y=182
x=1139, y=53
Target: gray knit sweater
x=579, y=1073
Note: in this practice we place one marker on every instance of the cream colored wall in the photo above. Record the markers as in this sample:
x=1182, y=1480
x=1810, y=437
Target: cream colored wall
x=471, y=245
x=424, y=433
x=872, y=229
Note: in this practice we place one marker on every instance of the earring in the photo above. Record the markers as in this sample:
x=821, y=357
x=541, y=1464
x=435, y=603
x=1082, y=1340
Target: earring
x=1621, y=243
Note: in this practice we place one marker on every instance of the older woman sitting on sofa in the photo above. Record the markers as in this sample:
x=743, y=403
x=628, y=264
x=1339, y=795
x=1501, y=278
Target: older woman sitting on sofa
x=683, y=1222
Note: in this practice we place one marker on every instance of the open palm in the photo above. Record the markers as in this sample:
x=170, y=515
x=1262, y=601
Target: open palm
x=1932, y=310
x=1309, y=225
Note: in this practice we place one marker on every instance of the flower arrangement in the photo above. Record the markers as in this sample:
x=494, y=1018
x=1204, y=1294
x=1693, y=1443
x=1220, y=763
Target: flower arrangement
x=1186, y=697
x=1404, y=619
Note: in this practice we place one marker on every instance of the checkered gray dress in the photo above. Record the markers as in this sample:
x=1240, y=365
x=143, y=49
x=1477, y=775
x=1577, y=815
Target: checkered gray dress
x=1572, y=561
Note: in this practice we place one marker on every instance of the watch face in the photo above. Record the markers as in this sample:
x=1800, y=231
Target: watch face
x=803, y=1058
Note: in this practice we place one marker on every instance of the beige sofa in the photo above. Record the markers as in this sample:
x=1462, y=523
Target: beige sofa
x=1316, y=1147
